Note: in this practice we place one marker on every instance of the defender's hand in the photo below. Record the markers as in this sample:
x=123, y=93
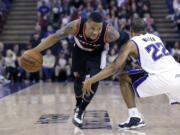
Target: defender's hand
x=87, y=87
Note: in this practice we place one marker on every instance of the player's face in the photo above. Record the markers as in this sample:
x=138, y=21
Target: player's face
x=93, y=29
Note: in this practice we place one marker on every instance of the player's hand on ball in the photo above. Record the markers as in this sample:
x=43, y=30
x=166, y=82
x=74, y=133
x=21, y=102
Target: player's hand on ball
x=31, y=60
x=87, y=87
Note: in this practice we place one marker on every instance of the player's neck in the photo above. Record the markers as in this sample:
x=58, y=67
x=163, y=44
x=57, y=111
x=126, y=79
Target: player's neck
x=139, y=34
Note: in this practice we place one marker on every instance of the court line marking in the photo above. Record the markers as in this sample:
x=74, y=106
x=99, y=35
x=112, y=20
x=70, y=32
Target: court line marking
x=19, y=91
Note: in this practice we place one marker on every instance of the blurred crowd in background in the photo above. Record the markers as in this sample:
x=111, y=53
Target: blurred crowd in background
x=54, y=14
x=174, y=8
x=5, y=6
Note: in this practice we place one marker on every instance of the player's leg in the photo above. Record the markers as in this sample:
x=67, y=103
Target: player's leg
x=78, y=68
x=127, y=91
x=135, y=118
x=79, y=114
x=78, y=84
x=174, y=94
x=87, y=98
x=174, y=97
x=46, y=73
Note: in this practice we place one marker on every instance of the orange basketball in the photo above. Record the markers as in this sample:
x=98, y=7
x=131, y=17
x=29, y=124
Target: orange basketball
x=31, y=61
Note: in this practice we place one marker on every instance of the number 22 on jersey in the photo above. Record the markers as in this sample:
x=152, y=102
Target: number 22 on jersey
x=158, y=50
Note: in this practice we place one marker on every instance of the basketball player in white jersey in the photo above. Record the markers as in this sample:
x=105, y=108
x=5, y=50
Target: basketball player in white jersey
x=160, y=73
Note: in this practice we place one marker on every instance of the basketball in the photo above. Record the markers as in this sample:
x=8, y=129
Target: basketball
x=31, y=61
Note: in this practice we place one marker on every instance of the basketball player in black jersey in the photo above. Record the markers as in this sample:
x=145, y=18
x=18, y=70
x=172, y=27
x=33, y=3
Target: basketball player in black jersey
x=90, y=36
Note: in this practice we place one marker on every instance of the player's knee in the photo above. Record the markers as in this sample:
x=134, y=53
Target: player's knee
x=76, y=75
x=78, y=85
x=79, y=78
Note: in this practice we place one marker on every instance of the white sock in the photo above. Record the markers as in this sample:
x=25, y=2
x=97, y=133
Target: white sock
x=133, y=111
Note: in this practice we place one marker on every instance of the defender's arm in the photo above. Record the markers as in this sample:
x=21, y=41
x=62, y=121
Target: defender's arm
x=127, y=49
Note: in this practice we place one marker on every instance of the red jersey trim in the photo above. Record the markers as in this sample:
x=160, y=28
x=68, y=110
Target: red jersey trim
x=105, y=35
x=78, y=26
x=85, y=46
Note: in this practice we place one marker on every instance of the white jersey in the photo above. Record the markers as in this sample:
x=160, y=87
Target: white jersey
x=153, y=56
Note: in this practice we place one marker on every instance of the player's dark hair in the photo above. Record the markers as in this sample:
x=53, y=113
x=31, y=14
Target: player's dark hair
x=138, y=25
x=95, y=17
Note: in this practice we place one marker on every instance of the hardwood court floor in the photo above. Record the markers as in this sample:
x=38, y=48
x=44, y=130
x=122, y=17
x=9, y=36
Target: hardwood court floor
x=47, y=109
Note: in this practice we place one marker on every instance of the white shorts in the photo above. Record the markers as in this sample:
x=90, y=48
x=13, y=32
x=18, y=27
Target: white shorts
x=151, y=85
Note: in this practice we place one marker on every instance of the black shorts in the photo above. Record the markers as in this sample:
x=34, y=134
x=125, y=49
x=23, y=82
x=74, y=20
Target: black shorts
x=84, y=61
x=136, y=74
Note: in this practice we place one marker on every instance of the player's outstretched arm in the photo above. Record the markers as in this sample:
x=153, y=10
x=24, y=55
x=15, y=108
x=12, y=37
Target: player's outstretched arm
x=112, y=34
x=65, y=31
x=127, y=49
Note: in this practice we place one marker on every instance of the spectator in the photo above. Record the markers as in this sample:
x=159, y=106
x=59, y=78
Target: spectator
x=77, y=5
x=17, y=54
x=150, y=23
x=64, y=49
x=101, y=10
x=170, y=6
x=2, y=52
x=134, y=8
x=65, y=20
x=2, y=6
x=120, y=3
x=49, y=31
x=43, y=9
x=3, y=80
x=65, y=9
x=34, y=77
x=91, y=2
x=69, y=70
x=176, y=6
x=123, y=25
x=40, y=3
x=1, y=64
x=177, y=20
x=148, y=20
x=86, y=12
x=112, y=56
x=55, y=17
x=176, y=51
x=43, y=13
x=61, y=70
x=142, y=11
x=21, y=72
x=7, y=3
x=34, y=40
x=48, y=65
x=10, y=65
x=16, y=50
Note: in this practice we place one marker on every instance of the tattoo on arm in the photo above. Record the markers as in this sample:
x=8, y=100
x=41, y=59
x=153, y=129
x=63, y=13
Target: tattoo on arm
x=67, y=30
x=112, y=34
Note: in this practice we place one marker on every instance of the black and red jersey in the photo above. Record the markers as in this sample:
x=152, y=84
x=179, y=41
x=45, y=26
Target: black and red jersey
x=87, y=45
